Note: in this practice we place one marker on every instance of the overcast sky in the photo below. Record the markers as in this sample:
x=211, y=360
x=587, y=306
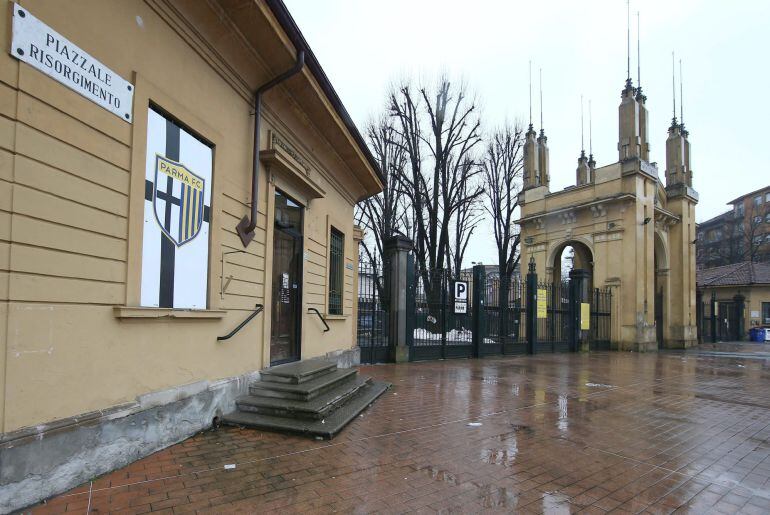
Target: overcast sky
x=365, y=45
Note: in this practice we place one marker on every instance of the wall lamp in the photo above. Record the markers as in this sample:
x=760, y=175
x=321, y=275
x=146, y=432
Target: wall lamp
x=646, y=220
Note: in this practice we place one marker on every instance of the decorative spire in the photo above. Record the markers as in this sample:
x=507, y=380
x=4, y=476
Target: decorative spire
x=582, y=143
x=590, y=138
x=628, y=42
x=681, y=101
x=542, y=128
x=673, y=90
x=530, y=94
x=639, y=95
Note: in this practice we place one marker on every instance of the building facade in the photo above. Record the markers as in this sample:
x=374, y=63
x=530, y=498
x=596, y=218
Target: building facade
x=630, y=230
x=132, y=233
x=741, y=234
x=737, y=296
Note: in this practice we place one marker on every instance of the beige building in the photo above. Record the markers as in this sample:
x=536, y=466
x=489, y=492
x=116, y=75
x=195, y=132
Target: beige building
x=126, y=166
x=631, y=231
x=739, y=296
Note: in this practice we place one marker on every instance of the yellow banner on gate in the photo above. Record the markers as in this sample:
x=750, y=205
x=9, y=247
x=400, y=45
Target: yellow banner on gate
x=585, y=316
x=542, y=303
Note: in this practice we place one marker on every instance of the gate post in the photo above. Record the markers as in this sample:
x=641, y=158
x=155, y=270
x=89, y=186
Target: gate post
x=740, y=322
x=531, y=325
x=713, y=317
x=397, y=249
x=479, y=301
x=578, y=286
x=699, y=314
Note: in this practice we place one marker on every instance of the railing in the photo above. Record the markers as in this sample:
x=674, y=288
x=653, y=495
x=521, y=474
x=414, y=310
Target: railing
x=258, y=310
x=323, y=320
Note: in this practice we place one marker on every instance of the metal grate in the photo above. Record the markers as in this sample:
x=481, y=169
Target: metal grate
x=336, y=258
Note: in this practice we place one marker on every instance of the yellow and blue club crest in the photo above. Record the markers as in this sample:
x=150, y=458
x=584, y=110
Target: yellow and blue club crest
x=178, y=200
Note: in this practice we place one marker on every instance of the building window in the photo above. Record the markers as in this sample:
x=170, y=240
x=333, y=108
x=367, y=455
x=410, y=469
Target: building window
x=739, y=210
x=177, y=206
x=766, y=312
x=758, y=200
x=767, y=196
x=336, y=271
x=757, y=219
x=767, y=218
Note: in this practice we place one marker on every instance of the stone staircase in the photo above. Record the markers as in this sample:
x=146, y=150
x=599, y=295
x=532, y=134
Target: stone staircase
x=311, y=397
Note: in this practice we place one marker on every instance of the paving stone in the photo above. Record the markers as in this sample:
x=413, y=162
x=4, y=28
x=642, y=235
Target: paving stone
x=676, y=432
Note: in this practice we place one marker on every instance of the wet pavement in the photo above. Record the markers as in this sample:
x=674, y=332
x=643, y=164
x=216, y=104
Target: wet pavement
x=584, y=433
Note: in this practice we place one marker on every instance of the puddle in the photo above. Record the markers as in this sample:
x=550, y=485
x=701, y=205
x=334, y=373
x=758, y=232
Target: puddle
x=599, y=385
x=555, y=502
x=493, y=497
x=490, y=496
x=438, y=475
x=518, y=428
x=504, y=456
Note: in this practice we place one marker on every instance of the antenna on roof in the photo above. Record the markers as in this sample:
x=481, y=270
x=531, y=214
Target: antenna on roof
x=673, y=88
x=638, y=55
x=541, y=101
x=530, y=94
x=681, y=96
x=590, y=132
x=582, y=144
x=628, y=40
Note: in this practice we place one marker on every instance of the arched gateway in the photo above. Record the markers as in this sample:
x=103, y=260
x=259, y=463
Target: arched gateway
x=629, y=231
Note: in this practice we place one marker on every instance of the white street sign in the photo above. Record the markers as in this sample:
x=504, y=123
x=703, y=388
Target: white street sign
x=46, y=50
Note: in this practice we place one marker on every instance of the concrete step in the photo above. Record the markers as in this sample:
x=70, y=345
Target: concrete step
x=316, y=408
x=297, y=372
x=302, y=391
x=325, y=428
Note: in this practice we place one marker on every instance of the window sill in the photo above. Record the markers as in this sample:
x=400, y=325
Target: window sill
x=140, y=312
x=327, y=316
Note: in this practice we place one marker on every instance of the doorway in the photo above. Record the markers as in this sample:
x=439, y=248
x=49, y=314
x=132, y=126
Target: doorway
x=286, y=320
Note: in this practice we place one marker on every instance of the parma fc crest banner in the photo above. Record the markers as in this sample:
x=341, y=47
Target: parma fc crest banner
x=177, y=201
x=170, y=177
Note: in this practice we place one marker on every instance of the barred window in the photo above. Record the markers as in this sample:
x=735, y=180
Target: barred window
x=336, y=273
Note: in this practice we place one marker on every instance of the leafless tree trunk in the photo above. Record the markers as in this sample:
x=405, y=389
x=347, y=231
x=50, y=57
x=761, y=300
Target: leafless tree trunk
x=439, y=131
x=383, y=215
x=467, y=216
x=502, y=172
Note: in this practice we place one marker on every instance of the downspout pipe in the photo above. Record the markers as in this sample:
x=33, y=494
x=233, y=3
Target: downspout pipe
x=246, y=226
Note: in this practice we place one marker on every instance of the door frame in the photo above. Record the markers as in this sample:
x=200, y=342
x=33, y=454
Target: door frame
x=269, y=269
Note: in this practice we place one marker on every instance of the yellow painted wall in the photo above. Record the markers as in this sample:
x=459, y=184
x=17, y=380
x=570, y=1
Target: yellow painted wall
x=71, y=206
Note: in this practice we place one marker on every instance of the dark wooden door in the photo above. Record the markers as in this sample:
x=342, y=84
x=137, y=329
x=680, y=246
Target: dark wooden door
x=285, y=328
x=659, y=318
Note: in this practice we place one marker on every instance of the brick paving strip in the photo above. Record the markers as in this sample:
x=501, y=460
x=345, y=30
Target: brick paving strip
x=576, y=433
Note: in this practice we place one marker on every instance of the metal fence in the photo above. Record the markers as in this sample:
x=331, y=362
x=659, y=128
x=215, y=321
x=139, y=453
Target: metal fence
x=490, y=321
x=438, y=331
x=373, y=319
x=601, y=319
x=503, y=321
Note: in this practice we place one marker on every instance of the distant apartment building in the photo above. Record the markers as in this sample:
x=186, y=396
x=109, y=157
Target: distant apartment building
x=741, y=234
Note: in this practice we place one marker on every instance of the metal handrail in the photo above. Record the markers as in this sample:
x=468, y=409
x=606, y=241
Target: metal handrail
x=323, y=320
x=257, y=311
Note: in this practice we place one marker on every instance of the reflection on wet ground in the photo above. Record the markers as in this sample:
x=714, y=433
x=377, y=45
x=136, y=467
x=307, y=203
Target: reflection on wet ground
x=687, y=431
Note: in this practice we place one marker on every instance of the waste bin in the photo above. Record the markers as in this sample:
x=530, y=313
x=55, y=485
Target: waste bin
x=757, y=334
x=767, y=334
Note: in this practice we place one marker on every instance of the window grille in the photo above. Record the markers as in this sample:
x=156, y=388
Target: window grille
x=336, y=271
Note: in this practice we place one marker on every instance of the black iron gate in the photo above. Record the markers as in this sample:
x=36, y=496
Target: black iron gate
x=439, y=330
x=373, y=320
x=502, y=324
x=497, y=317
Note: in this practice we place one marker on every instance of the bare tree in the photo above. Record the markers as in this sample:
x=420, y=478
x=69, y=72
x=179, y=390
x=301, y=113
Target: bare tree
x=439, y=131
x=468, y=214
x=383, y=215
x=502, y=172
x=742, y=239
